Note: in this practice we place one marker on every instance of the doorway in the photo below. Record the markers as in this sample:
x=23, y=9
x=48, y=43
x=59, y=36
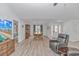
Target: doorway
x=27, y=31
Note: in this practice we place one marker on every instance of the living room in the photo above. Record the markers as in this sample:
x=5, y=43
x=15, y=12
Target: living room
x=38, y=23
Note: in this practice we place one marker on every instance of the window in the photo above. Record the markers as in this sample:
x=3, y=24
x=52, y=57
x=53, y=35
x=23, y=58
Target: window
x=55, y=29
x=37, y=29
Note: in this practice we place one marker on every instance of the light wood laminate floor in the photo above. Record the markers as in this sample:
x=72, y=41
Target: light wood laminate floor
x=33, y=47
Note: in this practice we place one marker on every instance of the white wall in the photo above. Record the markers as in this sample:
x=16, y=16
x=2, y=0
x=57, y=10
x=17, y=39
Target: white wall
x=21, y=31
x=72, y=28
x=5, y=12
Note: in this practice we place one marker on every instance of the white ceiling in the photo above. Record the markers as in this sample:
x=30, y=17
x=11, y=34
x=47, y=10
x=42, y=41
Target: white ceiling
x=45, y=11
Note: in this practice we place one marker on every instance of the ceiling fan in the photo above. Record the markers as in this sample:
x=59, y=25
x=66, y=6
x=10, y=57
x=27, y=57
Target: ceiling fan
x=55, y=4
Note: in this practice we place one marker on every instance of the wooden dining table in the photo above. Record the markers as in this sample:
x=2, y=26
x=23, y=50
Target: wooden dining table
x=38, y=36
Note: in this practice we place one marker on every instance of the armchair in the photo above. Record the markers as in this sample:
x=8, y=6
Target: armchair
x=60, y=44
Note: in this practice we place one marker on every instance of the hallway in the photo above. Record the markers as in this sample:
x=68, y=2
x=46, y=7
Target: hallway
x=33, y=47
